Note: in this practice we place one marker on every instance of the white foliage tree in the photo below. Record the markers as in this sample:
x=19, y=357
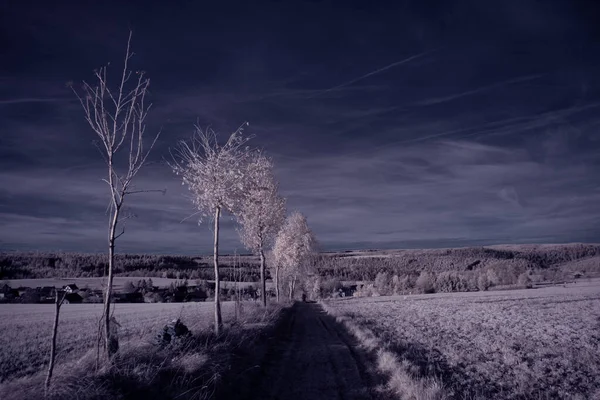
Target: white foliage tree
x=262, y=211
x=214, y=174
x=118, y=117
x=294, y=244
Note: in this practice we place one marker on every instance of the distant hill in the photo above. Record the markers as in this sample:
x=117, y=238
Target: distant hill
x=546, y=259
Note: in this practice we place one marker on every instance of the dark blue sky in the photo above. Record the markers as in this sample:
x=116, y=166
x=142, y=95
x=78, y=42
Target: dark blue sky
x=486, y=134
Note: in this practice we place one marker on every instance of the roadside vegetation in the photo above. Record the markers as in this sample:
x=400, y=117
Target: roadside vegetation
x=190, y=369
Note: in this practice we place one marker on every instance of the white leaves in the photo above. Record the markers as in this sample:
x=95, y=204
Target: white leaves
x=261, y=210
x=211, y=171
x=293, y=244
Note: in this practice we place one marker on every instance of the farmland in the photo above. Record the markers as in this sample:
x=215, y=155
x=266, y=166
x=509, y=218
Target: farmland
x=522, y=344
x=25, y=329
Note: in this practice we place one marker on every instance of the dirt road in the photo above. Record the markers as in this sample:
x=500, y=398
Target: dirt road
x=313, y=357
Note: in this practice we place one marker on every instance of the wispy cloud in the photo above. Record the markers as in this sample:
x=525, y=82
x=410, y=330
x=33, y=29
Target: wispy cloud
x=375, y=72
x=444, y=99
x=25, y=100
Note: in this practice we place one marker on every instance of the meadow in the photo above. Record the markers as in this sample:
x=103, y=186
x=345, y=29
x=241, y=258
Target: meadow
x=522, y=344
x=25, y=329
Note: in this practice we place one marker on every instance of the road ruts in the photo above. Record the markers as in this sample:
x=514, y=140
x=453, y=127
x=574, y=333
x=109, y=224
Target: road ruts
x=313, y=357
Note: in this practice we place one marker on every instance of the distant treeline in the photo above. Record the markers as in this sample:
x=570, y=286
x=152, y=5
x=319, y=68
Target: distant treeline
x=22, y=265
x=547, y=262
x=545, y=259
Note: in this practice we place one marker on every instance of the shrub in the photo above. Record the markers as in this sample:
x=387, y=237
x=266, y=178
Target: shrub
x=364, y=291
x=383, y=284
x=330, y=287
x=128, y=287
x=524, y=280
x=482, y=281
x=492, y=277
x=425, y=282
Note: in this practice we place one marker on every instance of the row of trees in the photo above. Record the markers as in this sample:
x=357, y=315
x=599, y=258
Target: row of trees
x=230, y=178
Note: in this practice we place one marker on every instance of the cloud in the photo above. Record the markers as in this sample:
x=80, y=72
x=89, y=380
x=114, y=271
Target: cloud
x=32, y=100
x=478, y=90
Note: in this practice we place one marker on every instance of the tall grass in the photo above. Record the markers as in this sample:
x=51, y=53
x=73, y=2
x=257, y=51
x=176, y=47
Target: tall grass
x=403, y=379
x=192, y=369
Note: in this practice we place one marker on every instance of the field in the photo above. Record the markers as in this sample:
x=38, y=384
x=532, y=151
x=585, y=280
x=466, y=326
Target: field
x=25, y=329
x=524, y=344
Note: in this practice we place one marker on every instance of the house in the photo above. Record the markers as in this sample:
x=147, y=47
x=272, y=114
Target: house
x=30, y=296
x=72, y=288
x=5, y=291
x=195, y=296
x=135, y=297
x=73, y=298
x=47, y=294
x=8, y=293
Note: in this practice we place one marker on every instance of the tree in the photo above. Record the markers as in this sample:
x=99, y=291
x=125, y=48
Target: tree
x=118, y=118
x=214, y=174
x=129, y=287
x=262, y=211
x=294, y=243
x=425, y=282
x=59, y=299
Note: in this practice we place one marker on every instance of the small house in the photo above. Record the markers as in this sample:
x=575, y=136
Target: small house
x=72, y=288
x=73, y=298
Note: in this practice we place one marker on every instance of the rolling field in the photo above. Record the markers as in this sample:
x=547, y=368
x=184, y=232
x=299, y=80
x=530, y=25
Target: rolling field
x=25, y=329
x=524, y=344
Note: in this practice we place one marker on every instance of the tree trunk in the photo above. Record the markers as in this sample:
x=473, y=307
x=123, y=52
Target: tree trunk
x=58, y=303
x=292, y=288
x=108, y=345
x=277, y=282
x=218, y=318
x=263, y=278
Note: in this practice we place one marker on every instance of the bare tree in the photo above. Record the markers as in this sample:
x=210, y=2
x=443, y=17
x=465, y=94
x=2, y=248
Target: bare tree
x=294, y=243
x=118, y=117
x=214, y=174
x=58, y=301
x=262, y=211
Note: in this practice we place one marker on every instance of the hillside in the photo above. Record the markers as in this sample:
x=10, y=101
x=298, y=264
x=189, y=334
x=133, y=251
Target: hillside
x=548, y=260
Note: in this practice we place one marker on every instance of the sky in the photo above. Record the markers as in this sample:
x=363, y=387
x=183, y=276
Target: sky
x=405, y=124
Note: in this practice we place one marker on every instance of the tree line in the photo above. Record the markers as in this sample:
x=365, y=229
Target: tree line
x=223, y=177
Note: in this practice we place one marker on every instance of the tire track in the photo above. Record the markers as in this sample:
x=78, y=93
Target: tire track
x=312, y=357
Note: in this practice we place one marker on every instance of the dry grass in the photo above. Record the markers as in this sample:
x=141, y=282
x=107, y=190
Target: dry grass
x=402, y=379
x=191, y=370
x=526, y=344
x=25, y=329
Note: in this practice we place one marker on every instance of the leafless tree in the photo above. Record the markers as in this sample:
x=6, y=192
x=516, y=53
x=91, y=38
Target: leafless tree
x=294, y=243
x=59, y=299
x=262, y=211
x=214, y=174
x=118, y=117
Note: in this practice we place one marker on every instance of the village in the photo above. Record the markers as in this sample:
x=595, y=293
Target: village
x=142, y=291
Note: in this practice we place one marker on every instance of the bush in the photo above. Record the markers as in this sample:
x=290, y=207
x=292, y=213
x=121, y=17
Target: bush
x=364, y=291
x=483, y=283
x=425, y=282
x=129, y=287
x=383, y=284
x=330, y=287
x=524, y=280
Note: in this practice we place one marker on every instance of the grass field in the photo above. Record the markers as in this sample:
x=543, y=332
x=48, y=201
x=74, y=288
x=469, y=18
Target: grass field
x=524, y=344
x=25, y=329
